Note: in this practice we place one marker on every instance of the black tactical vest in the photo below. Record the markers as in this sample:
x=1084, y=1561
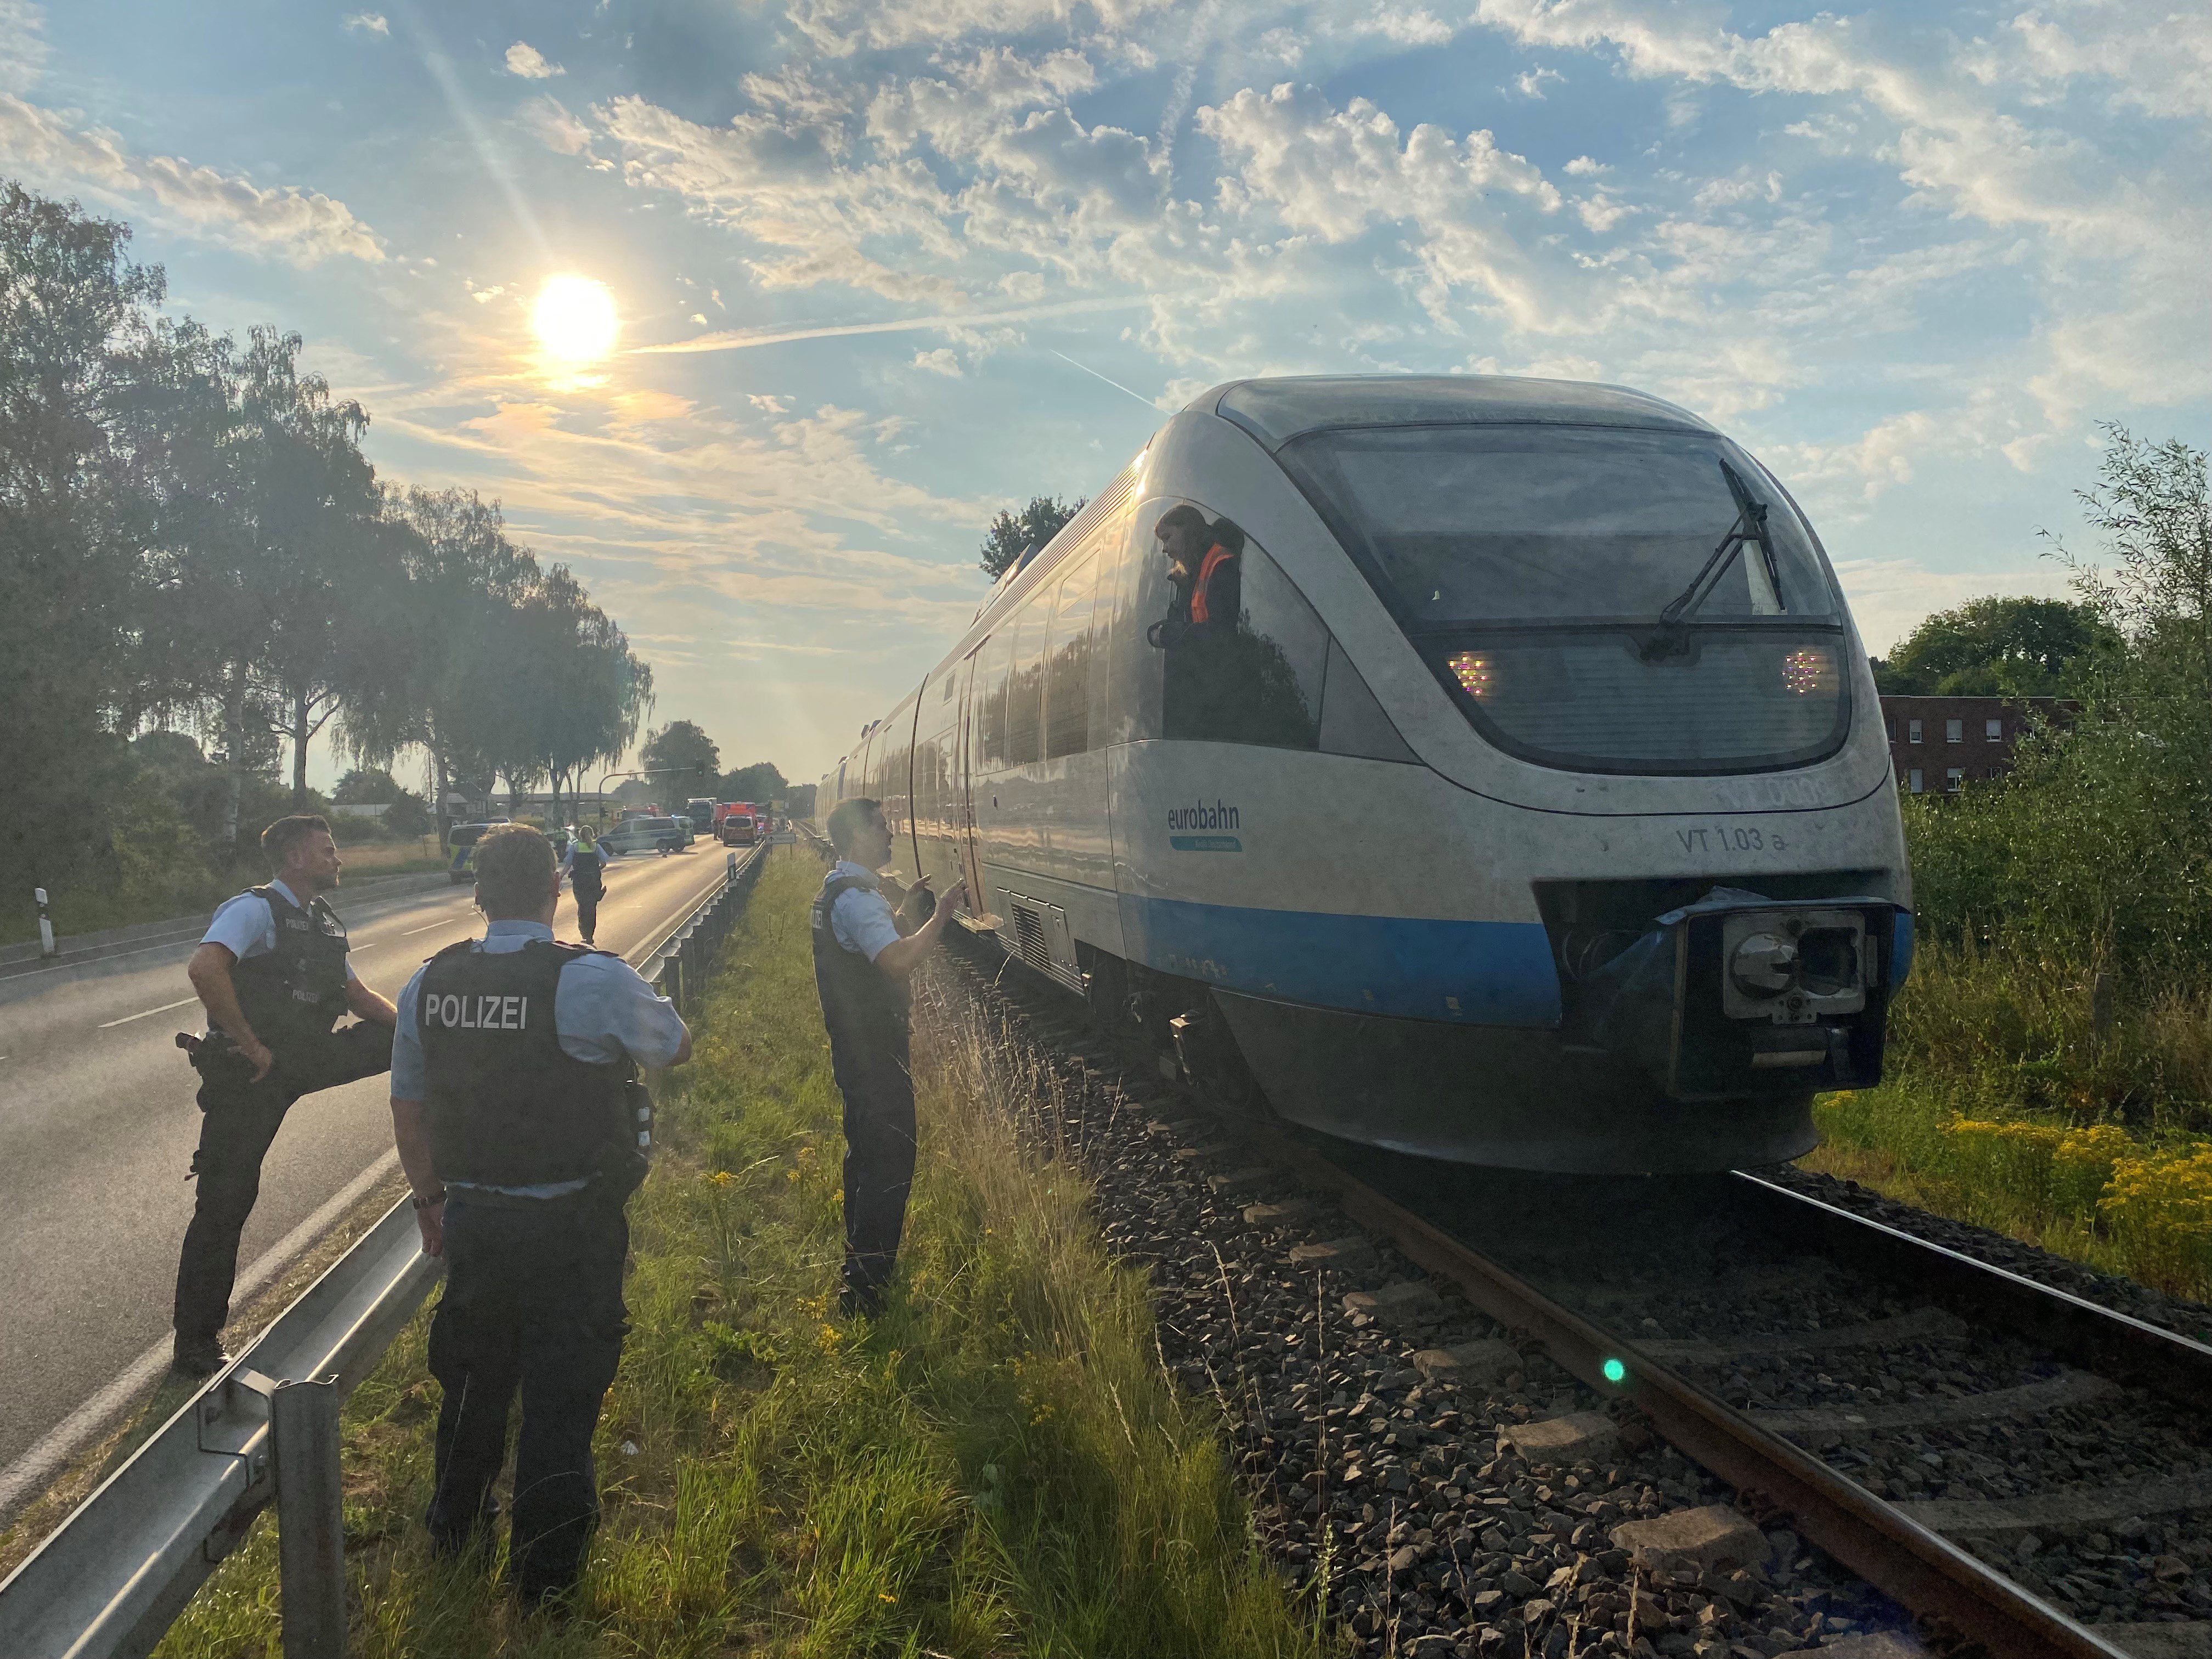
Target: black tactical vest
x=864, y=1007
x=298, y=990
x=586, y=874
x=507, y=1107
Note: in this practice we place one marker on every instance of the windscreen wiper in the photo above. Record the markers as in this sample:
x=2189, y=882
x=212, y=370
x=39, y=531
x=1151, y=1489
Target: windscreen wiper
x=1750, y=525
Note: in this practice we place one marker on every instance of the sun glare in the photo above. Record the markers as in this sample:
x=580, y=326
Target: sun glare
x=574, y=319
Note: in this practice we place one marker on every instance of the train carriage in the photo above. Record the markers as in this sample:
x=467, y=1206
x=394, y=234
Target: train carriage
x=1621, y=883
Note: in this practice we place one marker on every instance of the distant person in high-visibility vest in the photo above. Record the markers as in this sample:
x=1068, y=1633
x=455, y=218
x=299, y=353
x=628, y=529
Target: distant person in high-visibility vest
x=272, y=973
x=585, y=866
x=864, y=953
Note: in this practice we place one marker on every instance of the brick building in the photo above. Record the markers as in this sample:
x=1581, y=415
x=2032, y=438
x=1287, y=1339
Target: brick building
x=1939, y=744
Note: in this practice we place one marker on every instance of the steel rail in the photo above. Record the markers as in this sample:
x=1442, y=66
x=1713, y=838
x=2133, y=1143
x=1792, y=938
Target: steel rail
x=111, y=1579
x=1918, y=1568
x=2099, y=1338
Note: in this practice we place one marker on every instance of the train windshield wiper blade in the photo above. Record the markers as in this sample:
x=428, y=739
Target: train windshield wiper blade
x=1749, y=526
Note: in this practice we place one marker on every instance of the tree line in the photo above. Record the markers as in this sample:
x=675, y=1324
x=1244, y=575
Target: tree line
x=2096, y=850
x=681, y=763
x=192, y=541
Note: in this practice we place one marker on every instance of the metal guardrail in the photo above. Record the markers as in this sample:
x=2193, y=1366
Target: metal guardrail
x=112, y=1578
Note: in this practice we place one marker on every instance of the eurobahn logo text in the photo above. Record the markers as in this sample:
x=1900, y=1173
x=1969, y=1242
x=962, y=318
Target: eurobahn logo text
x=1220, y=815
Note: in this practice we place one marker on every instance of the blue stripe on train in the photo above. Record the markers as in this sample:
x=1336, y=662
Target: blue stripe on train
x=1471, y=973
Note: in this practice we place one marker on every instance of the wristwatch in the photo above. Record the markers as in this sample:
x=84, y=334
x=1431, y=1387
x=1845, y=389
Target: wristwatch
x=429, y=1203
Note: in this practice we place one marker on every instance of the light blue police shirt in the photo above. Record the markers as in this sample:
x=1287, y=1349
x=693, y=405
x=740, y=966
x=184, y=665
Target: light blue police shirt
x=245, y=926
x=861, y=920
x=603, y=1009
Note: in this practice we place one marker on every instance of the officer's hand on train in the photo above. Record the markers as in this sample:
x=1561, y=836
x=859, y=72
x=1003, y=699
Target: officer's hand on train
x=955, y=899
x=257, y=1056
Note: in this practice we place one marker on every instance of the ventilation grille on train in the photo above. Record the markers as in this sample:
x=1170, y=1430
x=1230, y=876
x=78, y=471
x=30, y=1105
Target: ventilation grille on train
x=1028, y=940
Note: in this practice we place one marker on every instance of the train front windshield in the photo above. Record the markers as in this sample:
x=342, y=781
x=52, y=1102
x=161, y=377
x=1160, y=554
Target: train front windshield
x=1598, y=599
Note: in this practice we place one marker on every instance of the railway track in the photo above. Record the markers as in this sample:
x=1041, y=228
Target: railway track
x=2007, y=1461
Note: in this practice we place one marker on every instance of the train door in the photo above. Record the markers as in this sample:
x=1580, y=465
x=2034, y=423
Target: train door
x=963, y=802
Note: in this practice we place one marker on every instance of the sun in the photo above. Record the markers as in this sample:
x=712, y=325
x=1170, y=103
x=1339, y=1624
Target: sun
x=574, y=319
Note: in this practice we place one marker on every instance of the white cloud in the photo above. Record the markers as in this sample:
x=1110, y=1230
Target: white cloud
x=1601, y=212
x=369, y=23
x=1403, y=26
x=1336, y=173
x=769, y=402
x=23, y=48
x=840, y=27
x=302, y=226
x=841, y=262
x=942, y=361
x=1583, y=167
x=532, y=65
x=1530, y=82
x=548, y=120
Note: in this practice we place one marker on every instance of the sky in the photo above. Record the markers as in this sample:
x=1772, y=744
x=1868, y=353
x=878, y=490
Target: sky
x=881, y=267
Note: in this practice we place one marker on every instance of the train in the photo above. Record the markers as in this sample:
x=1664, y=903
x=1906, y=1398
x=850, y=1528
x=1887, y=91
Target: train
x=1483, y=768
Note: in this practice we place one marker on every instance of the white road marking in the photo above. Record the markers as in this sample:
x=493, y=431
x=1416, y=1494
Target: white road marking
x=447, y=922
x=23, y=1477
x=147, y=1013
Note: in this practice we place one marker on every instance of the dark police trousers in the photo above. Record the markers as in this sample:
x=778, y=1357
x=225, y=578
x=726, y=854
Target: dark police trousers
x=865, y=1011
x=588, y=890
x=240, y=1120
x=872, y=1072
x=533, y=1306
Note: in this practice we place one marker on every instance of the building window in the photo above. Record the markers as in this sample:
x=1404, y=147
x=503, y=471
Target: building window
x=1954, y=730
x=1912, y=731
x=1914, y=781
x=1954, y=779
x=1996, y=771
x=1993, y=730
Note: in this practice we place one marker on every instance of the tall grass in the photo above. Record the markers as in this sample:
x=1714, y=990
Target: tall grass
x=2010, y=1104
x=997, y=1467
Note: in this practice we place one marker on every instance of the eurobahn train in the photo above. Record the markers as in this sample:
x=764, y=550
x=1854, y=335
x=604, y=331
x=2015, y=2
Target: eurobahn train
x=1480, y=767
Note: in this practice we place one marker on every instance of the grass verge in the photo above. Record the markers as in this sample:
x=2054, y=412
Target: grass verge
x=93, y=909
x=998, y=1467
x=2014, y=1101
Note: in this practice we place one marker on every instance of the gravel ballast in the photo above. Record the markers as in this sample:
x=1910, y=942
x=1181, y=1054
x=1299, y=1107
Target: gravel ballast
x=1382, y=1471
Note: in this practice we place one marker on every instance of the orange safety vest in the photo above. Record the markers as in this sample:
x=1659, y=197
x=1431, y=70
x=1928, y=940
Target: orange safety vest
x=1216, y=556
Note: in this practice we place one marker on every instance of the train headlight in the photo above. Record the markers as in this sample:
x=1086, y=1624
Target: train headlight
x=1809, y=670
x=1477, y=674
x=1793, y=967
x=1764, y=965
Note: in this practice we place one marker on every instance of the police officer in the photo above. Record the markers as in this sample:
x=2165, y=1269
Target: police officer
x=515, y=1106
x=585, y=867
x=863, y=956
x=272, y=973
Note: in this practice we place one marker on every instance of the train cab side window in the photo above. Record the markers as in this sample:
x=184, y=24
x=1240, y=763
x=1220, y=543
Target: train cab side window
x=1242, y=656
x=1351, y=720
x=991, y=696
x=1025, y=680
x=1067, y=665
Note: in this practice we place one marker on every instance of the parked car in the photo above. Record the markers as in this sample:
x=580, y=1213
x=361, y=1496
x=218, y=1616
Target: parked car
x=661, y=834
x=463, y=840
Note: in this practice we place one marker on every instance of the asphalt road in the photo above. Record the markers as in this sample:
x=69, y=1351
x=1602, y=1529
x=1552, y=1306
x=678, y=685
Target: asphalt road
x=98, y=1125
